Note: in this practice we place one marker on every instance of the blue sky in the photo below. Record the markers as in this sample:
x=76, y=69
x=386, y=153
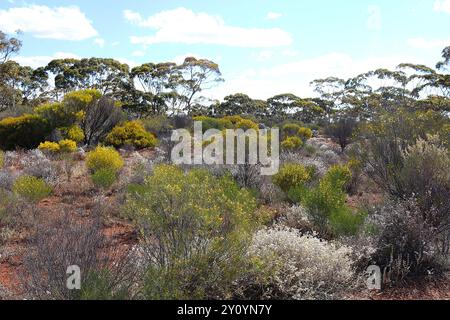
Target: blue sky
x=263, y=47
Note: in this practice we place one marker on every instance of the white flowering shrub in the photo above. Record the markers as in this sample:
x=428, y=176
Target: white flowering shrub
x=303, y=266
x=296, y=217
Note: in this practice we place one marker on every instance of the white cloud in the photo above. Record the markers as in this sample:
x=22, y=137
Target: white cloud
x=290, y=53
x=264, y=55
x=273, y=15
x=100, y=42
x=129, y=62
x=41, y=61
x=375, y=20
x=422, y=43
x=295, y=77
x=182, y=25
x=442, y=6
x=61, y=23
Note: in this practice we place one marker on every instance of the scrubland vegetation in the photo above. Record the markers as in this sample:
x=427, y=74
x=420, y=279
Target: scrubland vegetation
x=86, y=179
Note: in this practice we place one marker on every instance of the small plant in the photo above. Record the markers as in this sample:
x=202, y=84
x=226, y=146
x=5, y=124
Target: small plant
x=49, y=147
x=292, y=143
x=31, y=189
x=290, y=129
x=104, y=178
x=67, y=146
x=104, y=158
x=75, y=133
x=131, y=133
x=291, y=175
x=2, y=159
x=305, y=133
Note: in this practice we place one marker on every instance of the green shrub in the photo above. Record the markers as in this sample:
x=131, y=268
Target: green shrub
x=31, y=189
x=203, y=224
x=104, y=178
x=26, y=131
x=158, y=124
x=213, y=123
x=104, y=158
x=325, y=204
x=291, y=175
x=290, y=129
x=291, y=143
x=131, y=133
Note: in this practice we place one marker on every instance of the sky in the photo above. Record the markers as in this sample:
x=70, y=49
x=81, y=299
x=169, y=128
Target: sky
x=263, y=47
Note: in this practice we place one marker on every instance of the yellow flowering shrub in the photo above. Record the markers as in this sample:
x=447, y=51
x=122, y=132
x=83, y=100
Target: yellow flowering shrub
x=49, y=147
x=67, y=146
x=305, y=133
x=131, y=133
x=291, y=143
x=292, y=175
x=201, y=218
x=75, y=133
x=104, y=158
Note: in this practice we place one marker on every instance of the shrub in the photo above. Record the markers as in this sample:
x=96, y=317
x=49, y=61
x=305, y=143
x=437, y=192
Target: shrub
x=291, y=143
x=131, y=133
x=305, y=133
x=342, y=130
x=408, y=245
x=104, y=158
x=303, y=267
x=31, y=189
x=290, y=129
x=37, y=165
x=104, y=178
x=158, y=124
x=325, y=204
x=67, y=146
x=64, y=241
x=246, y=124
x=291, y=175
x=26, y=131
x=2, y=159
x=75, y=133
x=202, y=225
x=213, y=123
x=49, y=147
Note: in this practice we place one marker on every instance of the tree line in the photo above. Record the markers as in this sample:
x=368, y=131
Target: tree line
x=170, y=88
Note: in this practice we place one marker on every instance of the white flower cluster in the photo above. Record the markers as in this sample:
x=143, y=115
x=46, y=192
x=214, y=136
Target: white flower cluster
x=305, y=267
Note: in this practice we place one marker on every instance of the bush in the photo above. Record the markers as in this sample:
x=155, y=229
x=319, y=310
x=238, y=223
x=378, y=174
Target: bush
x=74, y=133
x=305, y=133
x=408, y=245
x=246, y=124
x=64, y=241
x=131, y=133
x=104, y=178
x=303, y=267
x=325, y=204
x=104, y=158
x=158, y=124
x=26, y=131
x=291, y=143
x=201, y=225
x=342, y=130
x=291, y=175
x=31, y=189
x=290, y=129
x=64, y=146
x=2, y=159
x=67, y=146
x=213, y=123
x=49, y=147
